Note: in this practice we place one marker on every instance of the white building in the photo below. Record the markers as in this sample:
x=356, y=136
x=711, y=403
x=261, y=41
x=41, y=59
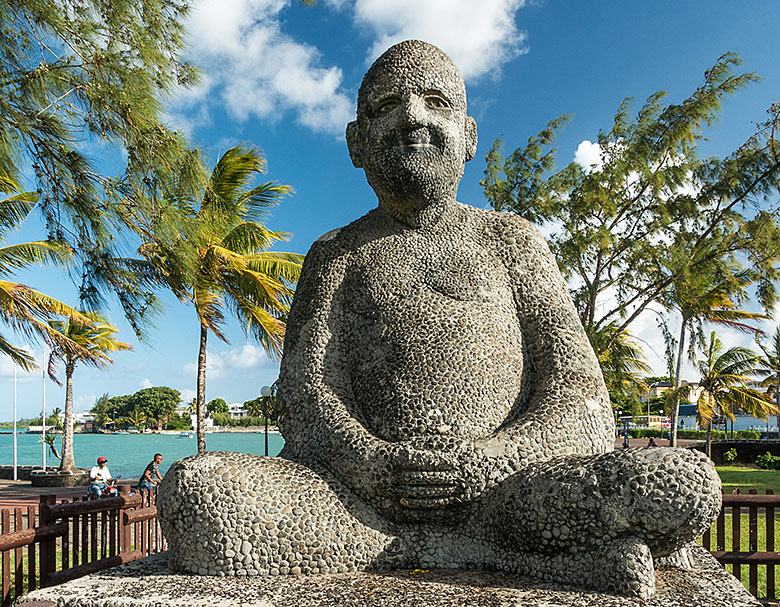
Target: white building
x=236, y=410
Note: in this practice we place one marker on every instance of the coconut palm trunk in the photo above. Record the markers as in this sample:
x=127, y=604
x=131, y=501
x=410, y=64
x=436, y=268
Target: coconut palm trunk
x=777, y=401
x=68, y=463
x=200, y=399
x=708, y=444
x=676, y=383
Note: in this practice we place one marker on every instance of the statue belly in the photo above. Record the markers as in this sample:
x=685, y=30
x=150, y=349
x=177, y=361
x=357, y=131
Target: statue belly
x=453, y=369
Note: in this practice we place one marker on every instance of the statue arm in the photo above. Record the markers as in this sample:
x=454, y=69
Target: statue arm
x=314, y=384
x=567, y=409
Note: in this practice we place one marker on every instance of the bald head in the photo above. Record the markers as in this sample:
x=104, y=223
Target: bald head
x=412, y=135
x=414, y=61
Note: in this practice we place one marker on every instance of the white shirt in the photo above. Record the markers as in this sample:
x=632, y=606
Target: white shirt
x=99, y=475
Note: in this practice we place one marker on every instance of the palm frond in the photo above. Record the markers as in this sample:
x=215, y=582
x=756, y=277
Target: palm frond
x=18, y=256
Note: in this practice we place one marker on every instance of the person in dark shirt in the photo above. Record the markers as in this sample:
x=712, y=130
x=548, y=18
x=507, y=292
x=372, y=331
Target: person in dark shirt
x=151, y=476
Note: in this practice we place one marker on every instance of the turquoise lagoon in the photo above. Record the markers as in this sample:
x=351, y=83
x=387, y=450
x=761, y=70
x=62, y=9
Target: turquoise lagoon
x=128, y=454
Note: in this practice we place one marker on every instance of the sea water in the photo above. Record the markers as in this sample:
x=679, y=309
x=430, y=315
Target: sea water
x=129, y=454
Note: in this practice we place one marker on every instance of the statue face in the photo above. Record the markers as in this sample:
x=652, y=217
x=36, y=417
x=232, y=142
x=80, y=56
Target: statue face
x=413, y=136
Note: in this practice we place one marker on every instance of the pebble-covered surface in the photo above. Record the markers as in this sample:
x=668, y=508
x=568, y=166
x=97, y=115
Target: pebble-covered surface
x=441, y=404
x=149, y=583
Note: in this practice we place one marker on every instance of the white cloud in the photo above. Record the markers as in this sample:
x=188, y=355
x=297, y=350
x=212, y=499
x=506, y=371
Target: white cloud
x=479, y=36
x=259, y=71
x=146, y=383
x=84, y=403
x=187, y=395
x=232, y=362
x=589, y=156
x=22, y=376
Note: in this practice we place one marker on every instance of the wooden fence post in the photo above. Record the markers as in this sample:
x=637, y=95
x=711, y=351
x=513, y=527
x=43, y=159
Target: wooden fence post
x=48, y=547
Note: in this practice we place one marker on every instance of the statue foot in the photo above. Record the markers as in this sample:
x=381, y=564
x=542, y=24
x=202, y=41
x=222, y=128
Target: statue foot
x=679, y=559
x=625, y=567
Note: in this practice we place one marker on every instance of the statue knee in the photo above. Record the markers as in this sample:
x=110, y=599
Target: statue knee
x=227, y=513
x=673, y=496
x=665, y=497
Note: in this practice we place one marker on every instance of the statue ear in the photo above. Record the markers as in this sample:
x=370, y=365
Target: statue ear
x=353, y=144
x=471, y=138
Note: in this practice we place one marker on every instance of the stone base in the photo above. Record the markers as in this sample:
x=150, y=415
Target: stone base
x=149, y=583
x=55, y=478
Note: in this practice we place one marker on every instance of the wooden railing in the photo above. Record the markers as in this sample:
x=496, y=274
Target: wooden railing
x=73, y=539
x=759, y=509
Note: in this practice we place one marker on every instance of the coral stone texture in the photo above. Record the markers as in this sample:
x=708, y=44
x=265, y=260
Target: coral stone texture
x=440, y=402
x=149, y=583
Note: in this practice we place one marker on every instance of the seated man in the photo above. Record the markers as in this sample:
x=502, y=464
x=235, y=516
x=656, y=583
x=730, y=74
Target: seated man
x=99, y=477
x=440, y=402
x=151, y=476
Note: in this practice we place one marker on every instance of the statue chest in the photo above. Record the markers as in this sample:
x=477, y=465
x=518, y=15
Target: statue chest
x=434, y=344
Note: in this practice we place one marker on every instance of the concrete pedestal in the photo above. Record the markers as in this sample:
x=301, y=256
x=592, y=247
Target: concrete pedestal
x=149, y=583
x=55, y=478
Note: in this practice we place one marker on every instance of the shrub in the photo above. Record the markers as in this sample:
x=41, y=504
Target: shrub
x=730, y=455
x=749, y=434
x=768, y=461
x=223, y=419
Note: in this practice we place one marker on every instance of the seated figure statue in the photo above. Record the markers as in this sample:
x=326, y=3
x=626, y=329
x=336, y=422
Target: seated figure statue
x=440, y=402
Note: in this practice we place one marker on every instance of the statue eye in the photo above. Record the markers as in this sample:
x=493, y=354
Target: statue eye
x=386, y=106
x=436, y=101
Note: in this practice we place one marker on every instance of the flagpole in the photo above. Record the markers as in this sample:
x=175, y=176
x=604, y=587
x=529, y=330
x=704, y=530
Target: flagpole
x=43, y=409
x=15, y=474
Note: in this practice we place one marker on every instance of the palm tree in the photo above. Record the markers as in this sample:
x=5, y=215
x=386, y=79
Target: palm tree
x=101, y=411
x=96, y=339
x=770, y=367
x=621, y=359
x=24, y=309
x=229, y=264
x=706, y=298
x=724, y=385
x=136, y=419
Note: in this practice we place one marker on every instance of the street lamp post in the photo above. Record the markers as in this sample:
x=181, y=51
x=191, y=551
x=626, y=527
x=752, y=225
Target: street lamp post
x=266, y=392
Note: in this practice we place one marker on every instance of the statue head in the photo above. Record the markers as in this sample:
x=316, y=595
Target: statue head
x=412, y=135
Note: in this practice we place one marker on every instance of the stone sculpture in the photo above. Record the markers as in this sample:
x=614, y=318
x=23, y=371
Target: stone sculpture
x=440, y=402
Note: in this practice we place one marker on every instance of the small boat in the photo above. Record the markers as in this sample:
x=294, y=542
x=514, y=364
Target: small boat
x=120, y=433
x=186, y=434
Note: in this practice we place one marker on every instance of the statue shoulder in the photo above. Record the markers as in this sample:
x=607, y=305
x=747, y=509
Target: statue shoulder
x=328, y=236
x=511, y=231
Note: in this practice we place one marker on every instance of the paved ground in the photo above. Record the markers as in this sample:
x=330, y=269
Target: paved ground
x=149, y=583
x=22, y=493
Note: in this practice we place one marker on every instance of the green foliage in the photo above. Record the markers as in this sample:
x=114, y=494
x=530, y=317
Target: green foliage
x=179, y=422
x=23, y=309
x=730, y=455
x=221, y=258
x=222, y=419
x=157, y=404
x=218, y=405
x=257, y=407
x=82, y=75
x=724, y=379
x=767, y=461
x=653, y=213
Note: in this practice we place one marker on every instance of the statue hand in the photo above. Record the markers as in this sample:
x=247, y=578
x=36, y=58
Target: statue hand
x=425, y=475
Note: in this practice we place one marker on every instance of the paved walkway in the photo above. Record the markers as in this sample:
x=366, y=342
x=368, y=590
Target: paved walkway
x=22, y=493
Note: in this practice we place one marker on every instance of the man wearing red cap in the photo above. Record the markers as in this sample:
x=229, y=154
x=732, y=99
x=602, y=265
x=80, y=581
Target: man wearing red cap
x=99, y=477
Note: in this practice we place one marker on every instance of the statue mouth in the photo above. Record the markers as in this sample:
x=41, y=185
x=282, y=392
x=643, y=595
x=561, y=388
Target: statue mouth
x=417, y=139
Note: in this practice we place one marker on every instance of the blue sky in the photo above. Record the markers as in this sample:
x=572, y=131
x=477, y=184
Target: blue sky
x=284, y=77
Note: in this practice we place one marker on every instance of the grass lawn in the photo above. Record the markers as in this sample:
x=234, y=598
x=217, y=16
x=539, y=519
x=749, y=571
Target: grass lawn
x=746, y=478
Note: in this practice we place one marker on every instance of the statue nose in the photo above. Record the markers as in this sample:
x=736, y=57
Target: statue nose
x=413, y=111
